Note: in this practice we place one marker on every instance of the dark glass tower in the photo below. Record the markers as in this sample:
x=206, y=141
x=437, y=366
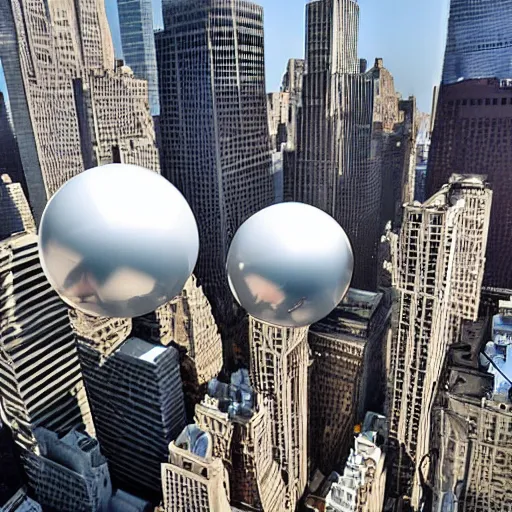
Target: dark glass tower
x=479, y=41
x=213, y=121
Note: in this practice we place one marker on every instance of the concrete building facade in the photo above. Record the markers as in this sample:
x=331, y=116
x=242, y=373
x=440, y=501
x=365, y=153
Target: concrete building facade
x=438, y=263
x=194, y=479
x=346, y=376
x=213, y=124
x=471, y=430
x=187, y=324
x=279, y=375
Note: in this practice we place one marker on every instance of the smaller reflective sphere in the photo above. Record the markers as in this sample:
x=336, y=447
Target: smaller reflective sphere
x=118, y=241
x=290, y=265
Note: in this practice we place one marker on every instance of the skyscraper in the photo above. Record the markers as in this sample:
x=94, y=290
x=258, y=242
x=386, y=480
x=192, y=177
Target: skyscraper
x=137, y=404
x=40, y=85
x=213, y=123
x=347, y=373
x=279, y=374
x=137, y=38
x=354, y=141
x=41, y=381
x=69, y=473
x=479, y=40
x=473, y=134
x=50, y=51
x=438, y=267
x=327, y=62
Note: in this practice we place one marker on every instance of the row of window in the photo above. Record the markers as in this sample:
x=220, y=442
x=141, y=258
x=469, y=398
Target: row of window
x=481, y=101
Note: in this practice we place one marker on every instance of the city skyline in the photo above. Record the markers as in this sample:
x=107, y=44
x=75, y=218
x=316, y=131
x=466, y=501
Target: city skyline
x=240, y=388
x=417, y=66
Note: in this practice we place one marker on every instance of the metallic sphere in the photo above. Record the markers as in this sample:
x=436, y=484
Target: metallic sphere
x=290, y=265
x=118, y=241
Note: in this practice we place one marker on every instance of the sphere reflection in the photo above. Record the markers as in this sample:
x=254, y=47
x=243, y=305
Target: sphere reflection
x=290, y=265
x=118, y=241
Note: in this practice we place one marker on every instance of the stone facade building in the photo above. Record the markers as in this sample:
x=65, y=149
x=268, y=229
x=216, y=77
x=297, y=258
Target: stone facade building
x=214, y=130
x=279, y=375
x=361, y=487
x=194, y=479
x=346, y=376
x=187, y=323
x=438, y=264
x=115, y=123
x=55, y=55
x=242, y=438
x=472, y=429
x=473, y=135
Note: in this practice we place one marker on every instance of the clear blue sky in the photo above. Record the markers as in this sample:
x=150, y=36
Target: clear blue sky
x=408, y=34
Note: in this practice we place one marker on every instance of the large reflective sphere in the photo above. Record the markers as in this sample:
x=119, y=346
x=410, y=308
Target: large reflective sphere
x=290, y=265
x=118, y=241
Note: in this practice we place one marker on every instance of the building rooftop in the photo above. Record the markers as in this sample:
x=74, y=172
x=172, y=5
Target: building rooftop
x=353, y=315
x=141, y=349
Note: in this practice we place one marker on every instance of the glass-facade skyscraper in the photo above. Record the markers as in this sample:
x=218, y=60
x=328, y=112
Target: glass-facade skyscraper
x=479, y=41
x=137, y=38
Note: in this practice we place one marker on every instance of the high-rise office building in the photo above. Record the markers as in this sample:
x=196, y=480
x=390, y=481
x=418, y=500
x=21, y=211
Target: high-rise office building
x=355, y=137
x=327, y=62
x=438, y=265
x=41, y=381
x=479, y=40
x=55, y=56
x=472, y=135
x=39, y=81
x=138, y=41
x=137, y=404
x=279, y=374
x=15, y=214
x=213, y=124
x=347, y=375
x=10, y=161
